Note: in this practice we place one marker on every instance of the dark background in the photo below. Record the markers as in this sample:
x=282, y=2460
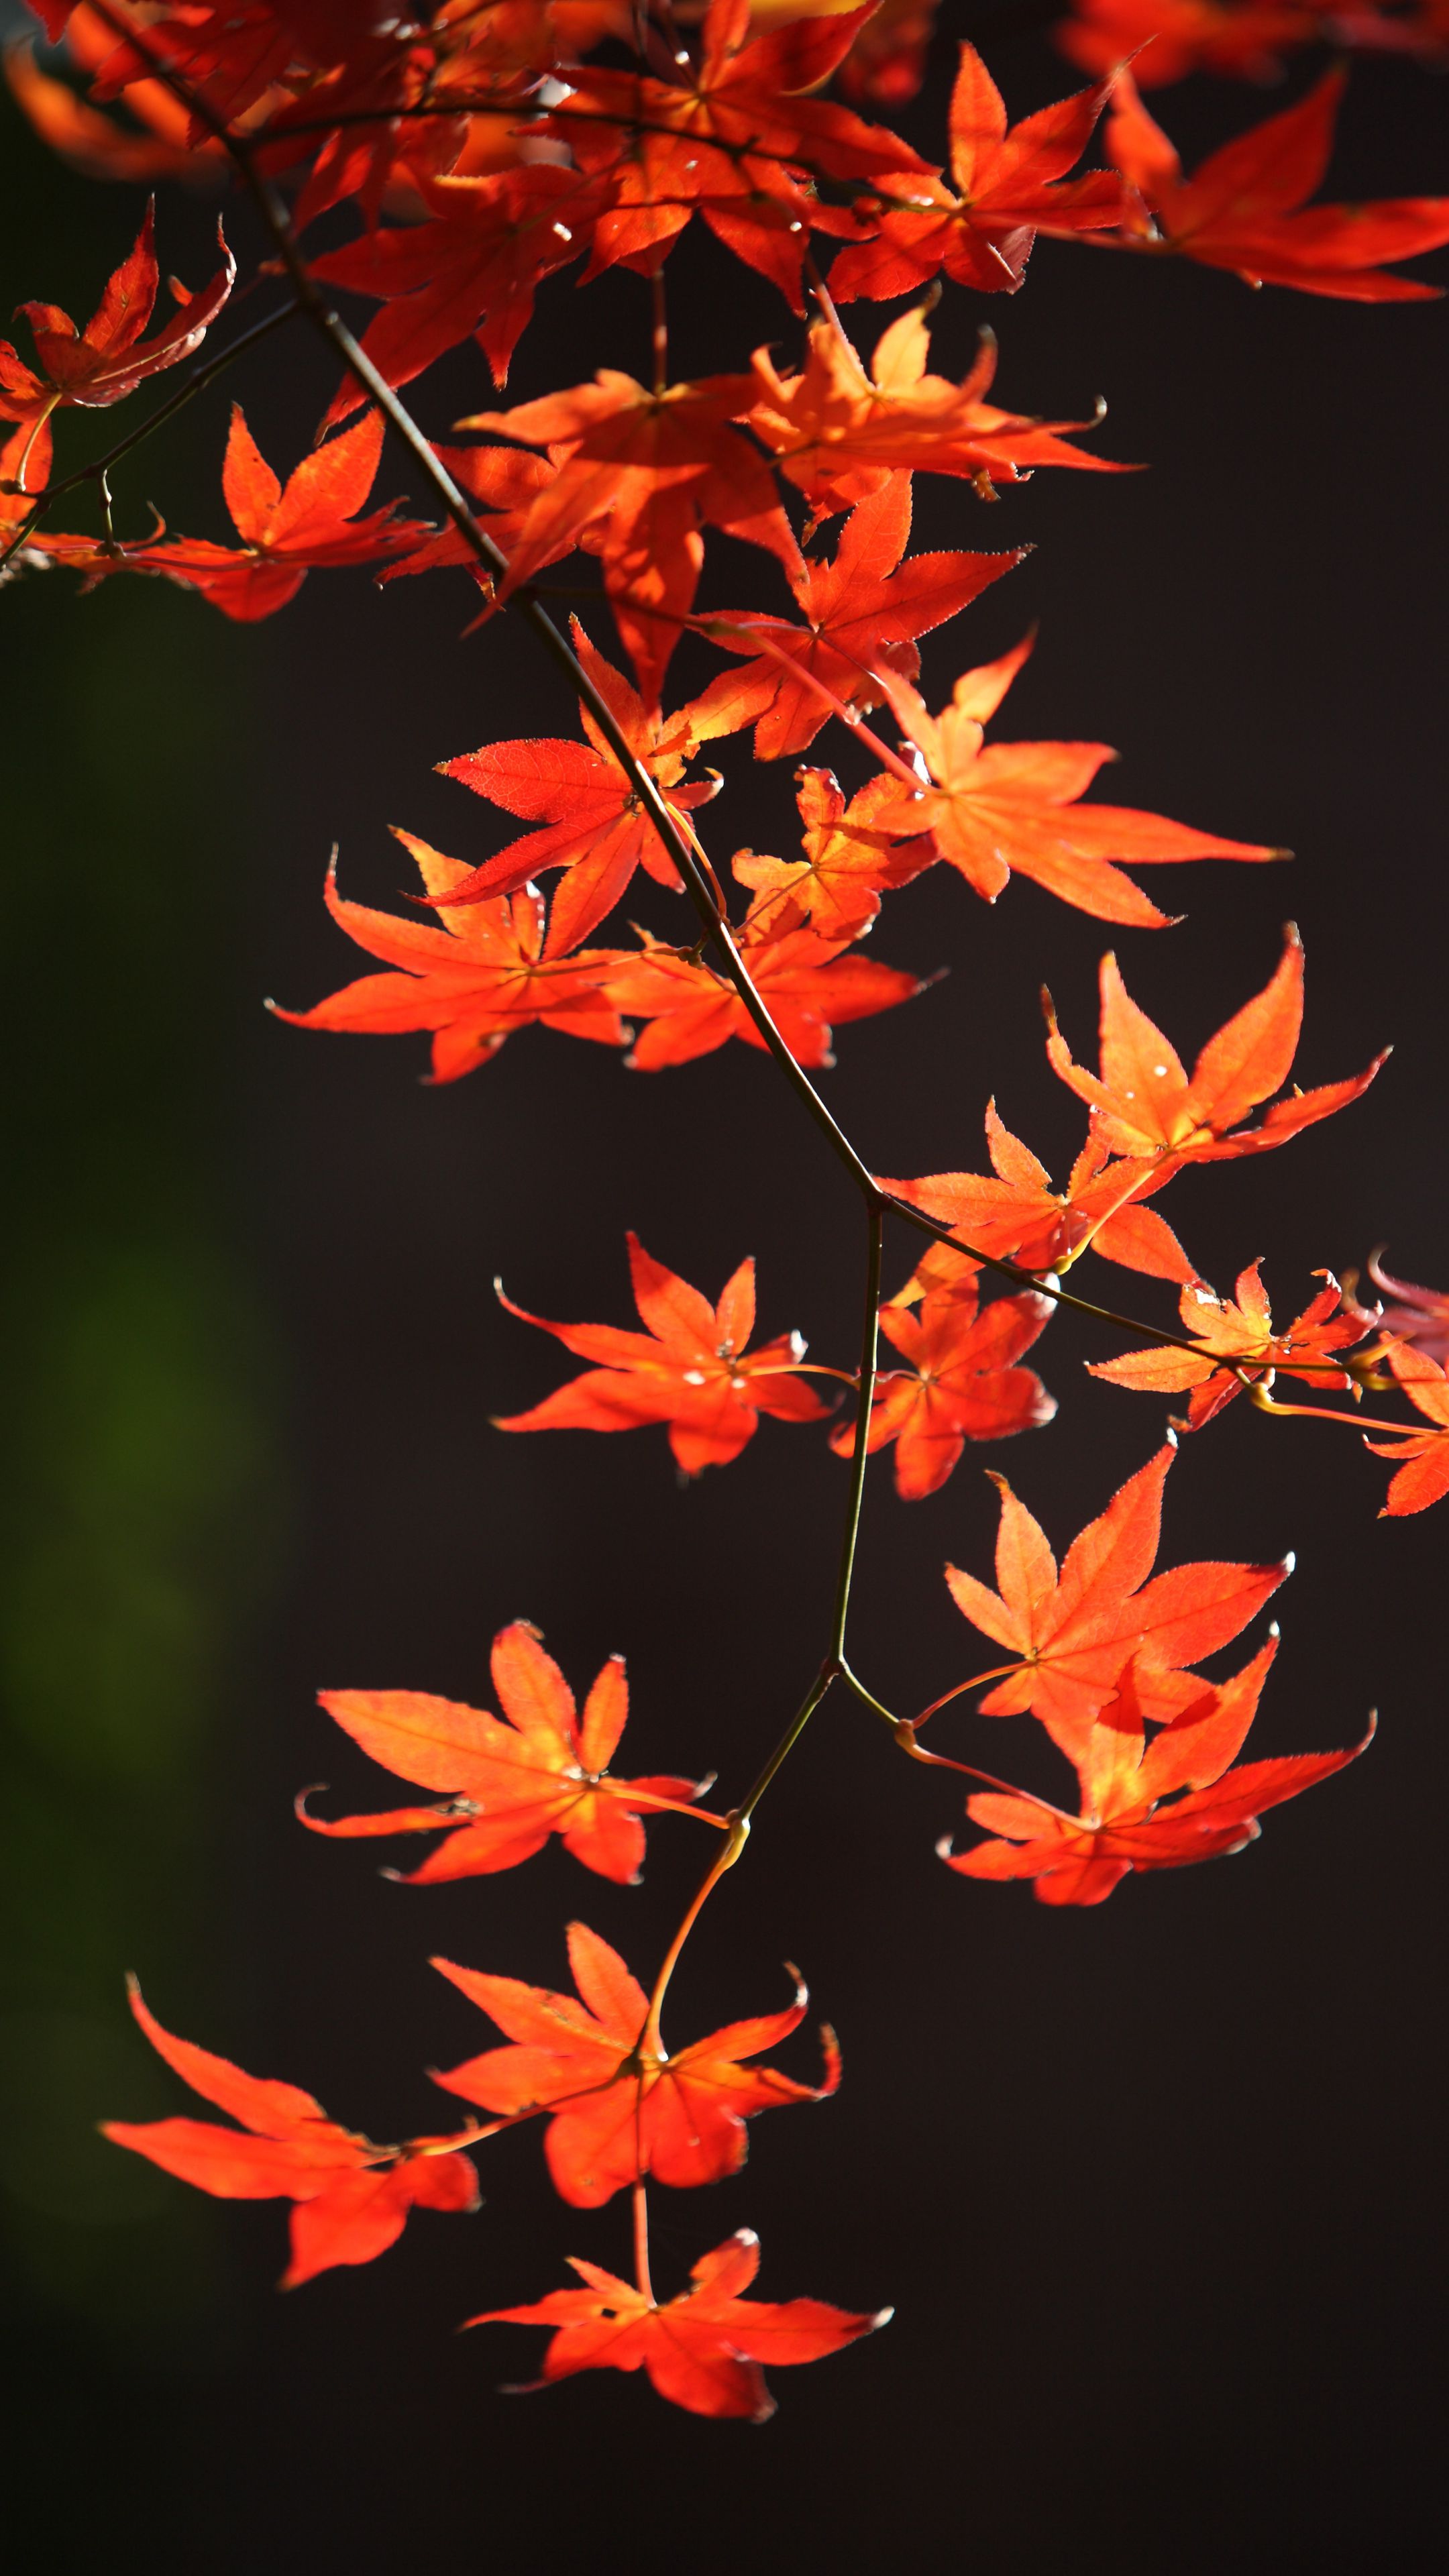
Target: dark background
x=1156, y=2190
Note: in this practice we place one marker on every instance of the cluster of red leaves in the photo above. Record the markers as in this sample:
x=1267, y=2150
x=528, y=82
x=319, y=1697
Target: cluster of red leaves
x=1100, y=1652
x=485, y=150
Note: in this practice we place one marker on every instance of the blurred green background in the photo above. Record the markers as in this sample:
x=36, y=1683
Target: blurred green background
x=141, y=1497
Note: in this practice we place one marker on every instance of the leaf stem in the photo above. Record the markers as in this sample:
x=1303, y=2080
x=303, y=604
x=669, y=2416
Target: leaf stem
x=641, y=2242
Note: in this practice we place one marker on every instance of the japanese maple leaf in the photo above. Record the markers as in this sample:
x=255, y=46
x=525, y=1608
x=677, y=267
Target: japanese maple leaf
x=594, y=825
x=1123, y=1824
x=651, y=185
x=1014, y=1214
x=352, y=2198
x=1237, y=1341
x=1071, y=1637
x=847, y=865
x=807, y=983
x=689, y=1368
x=744, y=97
x=1144, y=1104
x=960, y=1384
x=864, y=609
x=702, y=2350
x=512, y=1781
x=473, y=982
x=100, y=365
x=1015, y=805
x=622, y=2107
x=640, y=475
x=1009, y=186
x=1422, y=1457
x=837, y=432
x=1243, y=208
x=286, y=531
x=470, y=270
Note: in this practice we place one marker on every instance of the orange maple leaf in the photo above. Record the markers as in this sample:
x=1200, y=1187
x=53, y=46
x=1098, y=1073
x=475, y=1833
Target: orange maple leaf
x=837, y=432
x=1016, y=805
x=1078, y=1860
x=690, y=1368
x=639, y=475
x=1009, y=186
x=961, y=1383
x=1236, y=1340
x=545, y=1771
x=702, y=2350
x=1014, y=1214
x=352, y=2198
x=472, y=982
x=862, y=611
x=1144, y=1104
x=807, y=983
x=471, y=269
x=1071, y=1637
x=848, y=863
x=286, y=530
x=1421, y=1457
x=594, y=824
x=1243, y=208
x=621, y=2107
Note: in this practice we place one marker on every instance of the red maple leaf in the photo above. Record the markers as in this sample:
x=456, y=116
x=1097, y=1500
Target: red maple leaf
x=471, y=269
x=1237, y=1340
x=1078, y=1860
x=621, y=2106
x=689, y=1368
x=837, y=432
x=1013, y=1213
x=1421, y=1457
x=594, y=824
x=100, y=365
x=848, y=862
x=961, y=1383
x=473, y=982
x=1015, y=805
x=639, y=475
x=286, y=530
x=807, y=983
x=1143, y=1103
x=702, y=2350
x=545, y=1771
x=1243, y=208
x=738, y=114
x=1009, y=186
x=863, y=612
x=352, y=2198
x=1071, y=1637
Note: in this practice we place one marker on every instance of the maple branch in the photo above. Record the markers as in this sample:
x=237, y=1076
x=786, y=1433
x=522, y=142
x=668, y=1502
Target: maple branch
x=273, y=211
x=870, y=1341
x=100, y=466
